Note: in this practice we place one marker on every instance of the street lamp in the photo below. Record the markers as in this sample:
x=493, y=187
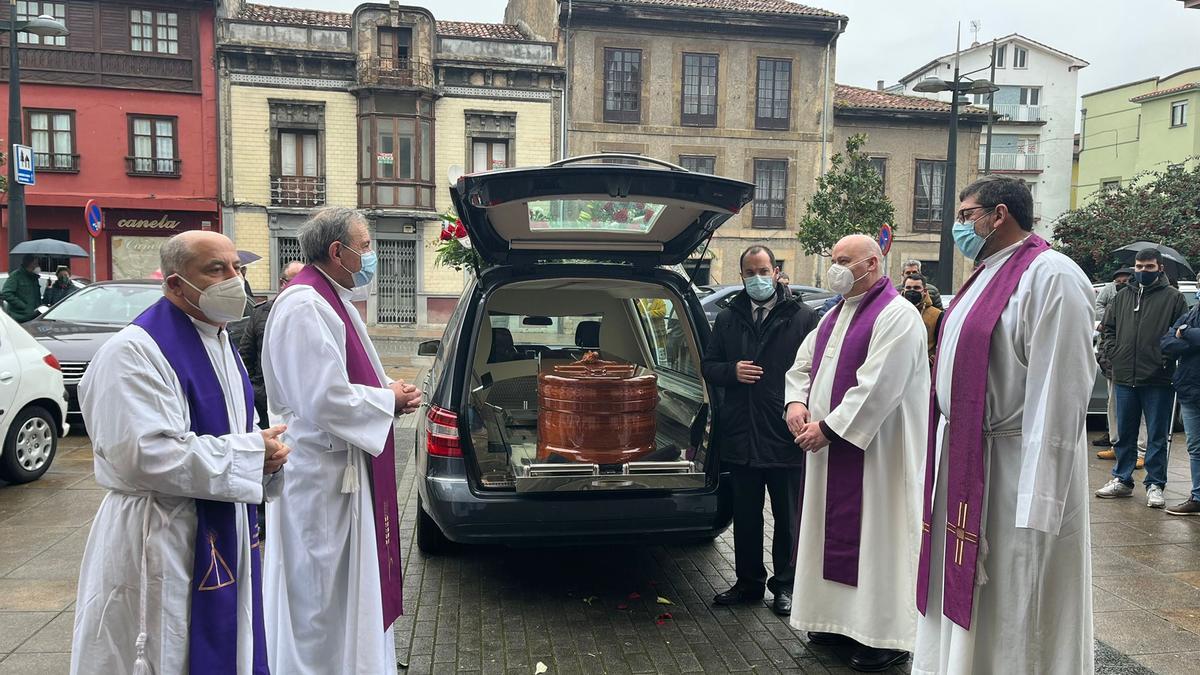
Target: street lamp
x=43, y=26
x=957, y=87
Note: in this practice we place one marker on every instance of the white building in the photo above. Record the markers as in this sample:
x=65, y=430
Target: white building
x=1036, y=107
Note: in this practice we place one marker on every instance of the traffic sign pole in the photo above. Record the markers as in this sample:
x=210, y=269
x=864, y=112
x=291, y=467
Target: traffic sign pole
x=93, y=218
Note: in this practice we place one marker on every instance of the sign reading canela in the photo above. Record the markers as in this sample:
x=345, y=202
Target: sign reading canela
x=151, y=222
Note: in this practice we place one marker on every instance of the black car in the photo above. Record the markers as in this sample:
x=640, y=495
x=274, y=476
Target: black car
x=716, y=298
x=576, y=260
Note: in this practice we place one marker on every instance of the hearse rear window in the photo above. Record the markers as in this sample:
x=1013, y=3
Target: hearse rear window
x=593, y=214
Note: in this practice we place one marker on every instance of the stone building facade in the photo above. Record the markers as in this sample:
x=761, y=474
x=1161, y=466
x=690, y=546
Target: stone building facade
x=907, y=142
x=738, y=89
x=374, y=109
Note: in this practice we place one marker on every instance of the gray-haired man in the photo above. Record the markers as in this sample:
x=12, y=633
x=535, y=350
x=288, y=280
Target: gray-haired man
x=913, y=267
x=335, y=527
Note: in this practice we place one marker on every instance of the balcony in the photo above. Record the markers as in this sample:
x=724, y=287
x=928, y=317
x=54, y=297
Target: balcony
x=395, y=73
x=153, y=167
x=1011, y=161
x=57, y=162
x=301, y=191
x=1015, y=112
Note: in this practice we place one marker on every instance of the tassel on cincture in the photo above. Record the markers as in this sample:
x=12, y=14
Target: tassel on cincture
x=140, y=665
x=350, y=480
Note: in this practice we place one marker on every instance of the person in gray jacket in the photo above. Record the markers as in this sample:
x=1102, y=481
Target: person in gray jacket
x=1119, y=279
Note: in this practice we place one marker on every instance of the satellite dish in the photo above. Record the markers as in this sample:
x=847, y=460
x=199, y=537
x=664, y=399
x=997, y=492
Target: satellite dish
x=454, y=173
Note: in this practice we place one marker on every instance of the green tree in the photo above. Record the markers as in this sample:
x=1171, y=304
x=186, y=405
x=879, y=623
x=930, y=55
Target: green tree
x=850, y=199
x=1157, y=206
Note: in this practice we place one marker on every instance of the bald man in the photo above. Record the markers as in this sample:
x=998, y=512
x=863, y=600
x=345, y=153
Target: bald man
x=251, y=345
x=858, y=402
x=170, y=580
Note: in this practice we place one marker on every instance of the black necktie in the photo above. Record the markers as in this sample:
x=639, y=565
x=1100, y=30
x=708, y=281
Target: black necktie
x=759, y=319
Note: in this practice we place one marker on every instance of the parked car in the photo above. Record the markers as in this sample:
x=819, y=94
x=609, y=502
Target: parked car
x=577, y=260
x=717, y=298
x=33, y=406
x=75, y=328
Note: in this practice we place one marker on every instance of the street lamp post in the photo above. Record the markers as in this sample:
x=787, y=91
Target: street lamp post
x=957, y=87
x=44, y=26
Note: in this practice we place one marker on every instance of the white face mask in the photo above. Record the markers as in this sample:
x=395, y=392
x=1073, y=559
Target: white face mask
x=840, y=279
x=222, y=302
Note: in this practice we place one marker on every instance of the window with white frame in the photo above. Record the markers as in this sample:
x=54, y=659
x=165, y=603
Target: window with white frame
x=1031, y=95
x=32, y=9
x=1020, y=57
x=1001, y=53
x=153, y=32
x=1179, y=113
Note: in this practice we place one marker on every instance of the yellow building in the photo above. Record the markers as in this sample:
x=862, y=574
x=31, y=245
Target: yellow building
x=375, y=109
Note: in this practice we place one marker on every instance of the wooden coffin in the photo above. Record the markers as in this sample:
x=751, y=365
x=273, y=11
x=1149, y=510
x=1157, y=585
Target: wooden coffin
x=594, y=411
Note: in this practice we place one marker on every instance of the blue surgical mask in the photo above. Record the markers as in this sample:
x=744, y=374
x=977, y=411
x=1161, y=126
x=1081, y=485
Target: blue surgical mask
x=1146, y=278
x=760, y=286
x=967, y=240
x=367, y=271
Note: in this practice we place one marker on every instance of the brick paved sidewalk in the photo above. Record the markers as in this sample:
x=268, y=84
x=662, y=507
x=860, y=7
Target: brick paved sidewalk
x=494, y=610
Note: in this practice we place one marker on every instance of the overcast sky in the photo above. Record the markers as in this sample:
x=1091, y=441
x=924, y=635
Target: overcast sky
x=1124, y=40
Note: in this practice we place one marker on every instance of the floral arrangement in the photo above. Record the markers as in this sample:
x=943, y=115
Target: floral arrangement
x=454, y=245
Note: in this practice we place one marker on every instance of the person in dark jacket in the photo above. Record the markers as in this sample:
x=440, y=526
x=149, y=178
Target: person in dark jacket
x=252, y=342
x=23, y=291
x=911, y=267
x=60, y=288
x=1134, y=324
x=754, y=343
x=1182, y=342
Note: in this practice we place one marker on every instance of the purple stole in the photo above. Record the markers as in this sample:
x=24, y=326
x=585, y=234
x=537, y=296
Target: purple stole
x=361, y=371
x=212, y=627
x=966, y=473
x=843, y=513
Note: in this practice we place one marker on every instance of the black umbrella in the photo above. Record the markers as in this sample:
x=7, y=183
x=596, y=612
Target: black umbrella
x=50, y=247
x=1176, y=265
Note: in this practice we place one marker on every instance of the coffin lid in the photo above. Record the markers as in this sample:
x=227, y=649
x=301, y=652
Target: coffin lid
x=582, y=209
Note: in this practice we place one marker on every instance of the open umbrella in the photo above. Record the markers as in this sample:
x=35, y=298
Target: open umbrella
x=50, y=247
x=247, y=257
x=1176, y=265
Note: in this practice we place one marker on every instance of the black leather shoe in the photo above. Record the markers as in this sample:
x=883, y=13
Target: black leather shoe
x=828, y=639
x=783, y=603
x=872, y=660
x=739, y=595
x=1102, y=442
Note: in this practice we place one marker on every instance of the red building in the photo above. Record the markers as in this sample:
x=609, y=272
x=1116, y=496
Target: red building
x=123, y=110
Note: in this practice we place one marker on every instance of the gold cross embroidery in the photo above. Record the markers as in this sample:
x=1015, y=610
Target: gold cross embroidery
x=959, y=532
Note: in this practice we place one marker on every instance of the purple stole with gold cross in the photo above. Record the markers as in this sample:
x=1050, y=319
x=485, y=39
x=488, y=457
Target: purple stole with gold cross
x=213, y=623
x=360, y=370
x=965, y=470
x=844, y=478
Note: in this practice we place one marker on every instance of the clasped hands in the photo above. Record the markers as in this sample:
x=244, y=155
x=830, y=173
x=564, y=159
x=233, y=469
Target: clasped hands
x=408, y=397
x=808, y=433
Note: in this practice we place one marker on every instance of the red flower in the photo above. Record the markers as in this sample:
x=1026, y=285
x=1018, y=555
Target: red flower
x=621, y=216
x=447, y=232
x=460, y=230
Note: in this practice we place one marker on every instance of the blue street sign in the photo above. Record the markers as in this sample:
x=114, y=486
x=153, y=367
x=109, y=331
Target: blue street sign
x=93, y=217
x=24, y=157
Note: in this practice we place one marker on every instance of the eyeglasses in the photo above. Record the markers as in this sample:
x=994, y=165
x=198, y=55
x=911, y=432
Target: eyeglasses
x=965, y=213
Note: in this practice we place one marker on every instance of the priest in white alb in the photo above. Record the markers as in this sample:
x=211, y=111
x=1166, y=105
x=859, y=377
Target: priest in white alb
x=332, y=564
x=1005, y=583
x=170, y=580
x=858, y=400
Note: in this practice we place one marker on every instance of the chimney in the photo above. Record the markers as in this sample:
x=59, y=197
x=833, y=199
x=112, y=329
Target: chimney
x=879, y=85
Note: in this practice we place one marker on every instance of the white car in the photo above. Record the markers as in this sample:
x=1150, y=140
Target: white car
x=33, y=404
